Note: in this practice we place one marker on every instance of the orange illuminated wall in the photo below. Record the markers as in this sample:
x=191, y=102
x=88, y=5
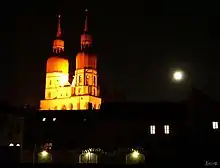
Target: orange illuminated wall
x=83, y=91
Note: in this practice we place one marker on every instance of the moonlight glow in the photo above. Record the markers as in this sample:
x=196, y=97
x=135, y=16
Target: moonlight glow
x=178, y=76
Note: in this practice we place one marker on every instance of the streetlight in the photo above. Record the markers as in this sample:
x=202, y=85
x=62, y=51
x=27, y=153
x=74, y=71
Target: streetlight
x=44, y=154
x=135, y=154
x=134, y=157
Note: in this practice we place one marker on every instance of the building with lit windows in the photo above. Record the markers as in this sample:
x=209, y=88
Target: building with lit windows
x=121, y=133
x=83, y=92
x=152, y=133
x=156, y=132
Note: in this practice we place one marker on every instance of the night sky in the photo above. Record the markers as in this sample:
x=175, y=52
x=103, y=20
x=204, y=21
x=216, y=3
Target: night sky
x=137, y=46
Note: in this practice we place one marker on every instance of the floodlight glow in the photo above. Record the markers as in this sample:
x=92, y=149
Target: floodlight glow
x=44, y=153
x=88, y=154
x=135, y=154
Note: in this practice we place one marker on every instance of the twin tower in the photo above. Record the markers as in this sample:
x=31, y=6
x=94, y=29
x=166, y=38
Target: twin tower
x=83, y=92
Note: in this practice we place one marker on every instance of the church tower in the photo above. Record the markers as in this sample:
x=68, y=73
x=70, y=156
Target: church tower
x=86, y=76
x=83, y=93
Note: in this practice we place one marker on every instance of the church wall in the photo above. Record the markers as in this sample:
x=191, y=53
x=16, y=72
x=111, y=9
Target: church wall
x=72, y=103
x=62, y=92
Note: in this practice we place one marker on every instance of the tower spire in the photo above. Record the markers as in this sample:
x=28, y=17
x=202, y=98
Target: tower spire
x=58, y=43
x=86, y=39
x=59, y=27
x=86, y=22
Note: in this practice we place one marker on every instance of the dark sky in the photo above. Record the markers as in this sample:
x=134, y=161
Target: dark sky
x=137, y=47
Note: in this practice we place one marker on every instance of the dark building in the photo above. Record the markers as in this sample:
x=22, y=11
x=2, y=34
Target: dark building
x=165, y=132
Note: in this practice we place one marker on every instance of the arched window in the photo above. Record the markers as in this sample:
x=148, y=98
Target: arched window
x=80, y=80
x=94, y=92
x=63, y=107
x=94, y=81
x=94, y=106
x=71, y=106
x=78, y=106
x=90, y=105
x=87, y=80
x=50, y=82
x=86, y=106
x=49, y=95
x=88, y=157
x=135, y=158
x=79, y=91
x=90, y=90
x=55, y=108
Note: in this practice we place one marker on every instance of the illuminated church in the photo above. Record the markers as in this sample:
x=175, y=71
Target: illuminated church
x=83, y=92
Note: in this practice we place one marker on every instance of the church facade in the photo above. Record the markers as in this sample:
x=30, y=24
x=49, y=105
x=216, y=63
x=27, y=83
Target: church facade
x=83, y=92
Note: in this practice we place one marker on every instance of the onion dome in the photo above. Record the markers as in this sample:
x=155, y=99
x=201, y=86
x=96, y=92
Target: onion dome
x=57, y=64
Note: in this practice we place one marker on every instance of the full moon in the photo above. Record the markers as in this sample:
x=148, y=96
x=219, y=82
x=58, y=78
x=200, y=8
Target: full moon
x=178, y=76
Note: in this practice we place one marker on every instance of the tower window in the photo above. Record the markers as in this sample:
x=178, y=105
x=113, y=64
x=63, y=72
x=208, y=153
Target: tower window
x=80, y=80
x=79, y=91
x=87, y=80
x=152, y=129
x=90, y=90
x=50, y=82
x=166, y=129
x=94, y=92
x=49, y=95
x=215, y=125
x=94, y=81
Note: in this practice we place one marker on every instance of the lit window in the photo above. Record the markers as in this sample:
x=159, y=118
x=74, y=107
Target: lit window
x=54, y=119
x=18, y=145
x=11, y=144
x=215, y=125
x=49, y=95
x=87, y=79
x=80, y=80
x=166, y=129
x=152, y=129
x=44, y=119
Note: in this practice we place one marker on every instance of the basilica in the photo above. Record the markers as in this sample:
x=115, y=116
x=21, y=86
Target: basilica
x=83, y=91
